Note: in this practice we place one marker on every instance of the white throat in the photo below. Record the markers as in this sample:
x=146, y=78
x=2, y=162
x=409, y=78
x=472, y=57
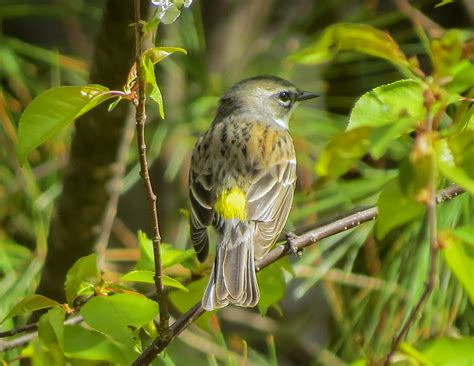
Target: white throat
x=282, y=122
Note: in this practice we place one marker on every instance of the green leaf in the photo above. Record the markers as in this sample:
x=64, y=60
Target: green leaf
x=29, y=304
x=352, y=37
x=342, y=152
x=448, y=351
x=444, y=2
x=150, y=58
x=116, y=315
x=112, y=105
x=462, y=77
x=148, y=277
x=395, y=209
x=157, y=54
x=459, y=255
x=389, y=104
x=169, y=254
x=184, y=301
x=51, y=328
x=414, y=175
x=84, y=270
x=53, y=110
x=271, y=282
x=87, y=344
x=447, y=52
x=381, y=138
x=455, y=156
x=155, y=92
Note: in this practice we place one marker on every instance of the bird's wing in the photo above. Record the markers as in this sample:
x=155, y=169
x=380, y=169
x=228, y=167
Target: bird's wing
x=269, y=201
x=201, y=196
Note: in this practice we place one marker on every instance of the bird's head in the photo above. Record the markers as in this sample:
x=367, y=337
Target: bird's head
x=269, y=97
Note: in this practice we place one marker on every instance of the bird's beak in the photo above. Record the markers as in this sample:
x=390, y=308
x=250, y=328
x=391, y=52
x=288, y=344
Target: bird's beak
x=304, y=95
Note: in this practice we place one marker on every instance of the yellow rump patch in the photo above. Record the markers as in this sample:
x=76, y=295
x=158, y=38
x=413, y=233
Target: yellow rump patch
x=232, y=204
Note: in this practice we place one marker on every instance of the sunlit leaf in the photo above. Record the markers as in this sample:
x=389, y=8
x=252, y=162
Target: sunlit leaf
x=152, y=87
x=157, y=54
x=53, y=110
x=148, y=277
x=389, y=104
x=447, y=351
x=84, y=270
x=117, y=315
x=29, y=304
x=352, y=37
x=342, y=152
x=395, y=209
x=87, y=344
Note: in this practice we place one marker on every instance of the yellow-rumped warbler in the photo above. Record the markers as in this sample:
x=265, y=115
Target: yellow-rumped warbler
x=241, y=181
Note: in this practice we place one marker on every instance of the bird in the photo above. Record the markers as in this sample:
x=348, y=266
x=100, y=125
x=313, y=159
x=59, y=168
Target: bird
x=241, y=182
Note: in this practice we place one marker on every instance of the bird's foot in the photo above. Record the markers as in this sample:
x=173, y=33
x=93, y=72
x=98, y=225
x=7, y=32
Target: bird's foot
x=290, y=245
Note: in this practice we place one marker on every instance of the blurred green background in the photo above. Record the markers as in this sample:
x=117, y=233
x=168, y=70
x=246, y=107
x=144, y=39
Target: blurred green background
x=349, y=294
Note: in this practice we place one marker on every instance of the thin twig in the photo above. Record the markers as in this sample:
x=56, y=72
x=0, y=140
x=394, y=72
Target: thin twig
x=26, y=338
x=340, y=225
x=140, y=118
x=14, y=331
x=420, y=19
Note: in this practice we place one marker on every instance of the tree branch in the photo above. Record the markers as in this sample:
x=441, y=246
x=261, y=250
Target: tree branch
x=26, y=338
x=140, y=118
x=332, y=228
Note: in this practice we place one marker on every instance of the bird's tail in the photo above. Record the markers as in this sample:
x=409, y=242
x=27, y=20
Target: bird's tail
x=233, y=279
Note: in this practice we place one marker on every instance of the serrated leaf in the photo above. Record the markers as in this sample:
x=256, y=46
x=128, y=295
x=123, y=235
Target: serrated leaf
x=352, y=37
x=117, y=315
x=395, y=209
x=29, y=304
x=52, y=110
x=148, y=277
x=88, y=344
x=342, y=152
x=84, y=270
x=388, y=104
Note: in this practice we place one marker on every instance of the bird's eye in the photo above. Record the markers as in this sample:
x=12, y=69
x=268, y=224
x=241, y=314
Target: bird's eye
x=284, y=96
